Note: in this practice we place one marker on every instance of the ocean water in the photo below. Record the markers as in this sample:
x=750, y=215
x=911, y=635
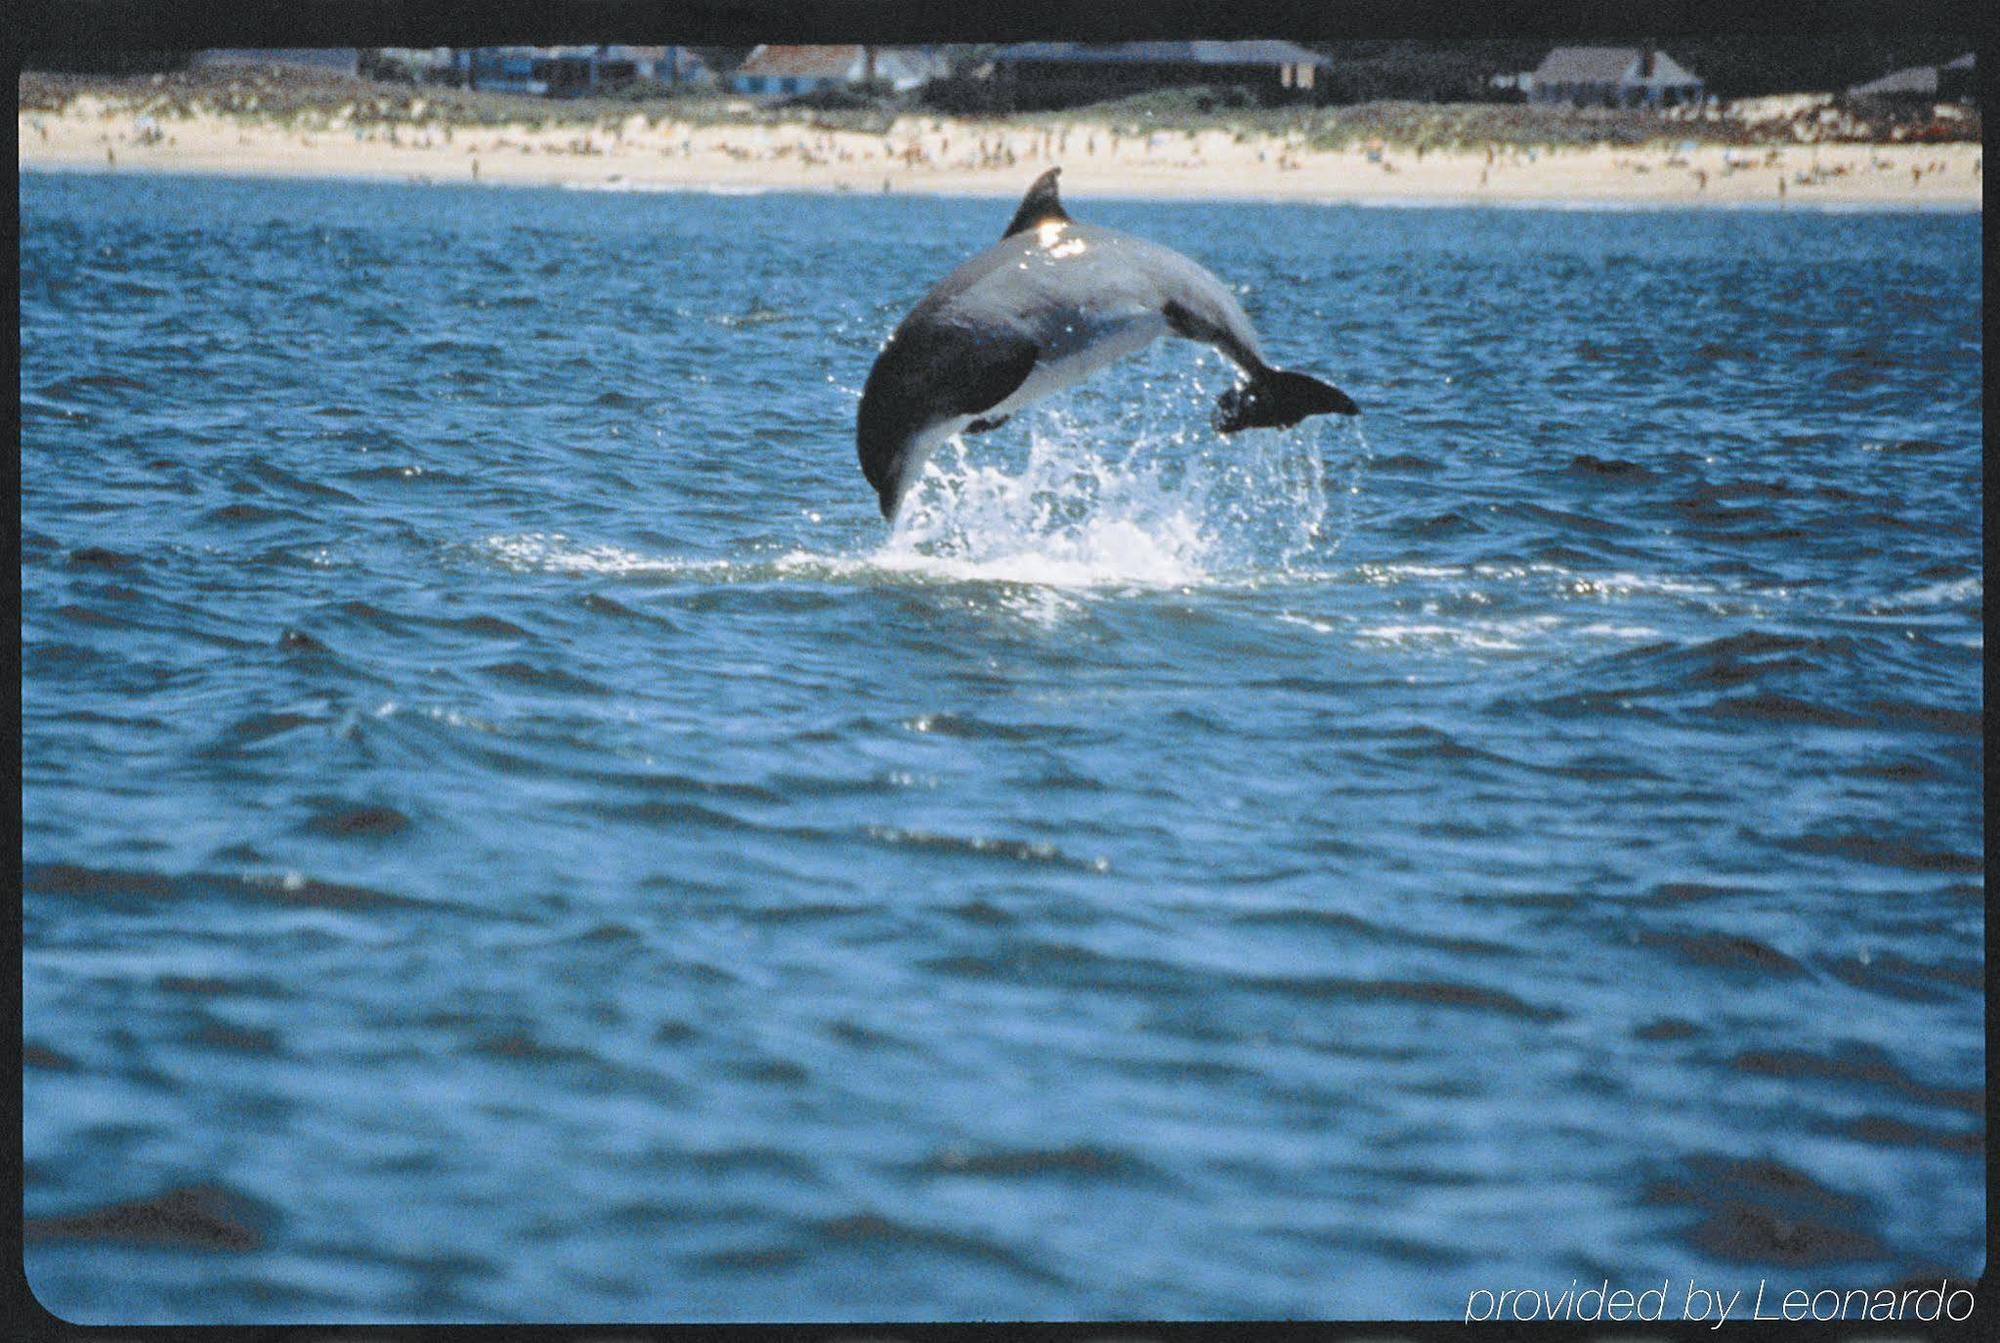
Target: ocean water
x=510, y=834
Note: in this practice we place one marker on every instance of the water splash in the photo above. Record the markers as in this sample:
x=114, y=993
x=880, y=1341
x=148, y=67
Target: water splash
x=1080, y=497
x=1091, y=507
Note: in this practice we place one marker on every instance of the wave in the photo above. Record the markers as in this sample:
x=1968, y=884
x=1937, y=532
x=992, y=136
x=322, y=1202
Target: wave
x=1969, y=591
x=137, y=889
x=987, y=526
x=187, y=1217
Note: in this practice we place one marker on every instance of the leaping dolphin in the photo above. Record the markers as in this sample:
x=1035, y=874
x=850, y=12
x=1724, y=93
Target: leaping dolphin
x=1042, y=309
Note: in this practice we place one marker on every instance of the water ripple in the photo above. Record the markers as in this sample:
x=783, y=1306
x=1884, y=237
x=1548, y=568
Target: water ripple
x=491, y=780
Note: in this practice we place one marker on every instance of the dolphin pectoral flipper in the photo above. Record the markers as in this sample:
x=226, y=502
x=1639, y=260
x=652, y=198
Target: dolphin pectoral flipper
x=995, y=374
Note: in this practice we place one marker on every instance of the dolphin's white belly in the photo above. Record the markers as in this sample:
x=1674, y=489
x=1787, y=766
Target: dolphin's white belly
x=1079, y=347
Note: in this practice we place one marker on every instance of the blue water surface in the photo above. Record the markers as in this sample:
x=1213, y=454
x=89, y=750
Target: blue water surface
x=510, y=834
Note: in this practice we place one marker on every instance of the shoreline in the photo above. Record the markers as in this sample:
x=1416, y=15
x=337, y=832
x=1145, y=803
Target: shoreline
x=937, y=191
x=942, y=156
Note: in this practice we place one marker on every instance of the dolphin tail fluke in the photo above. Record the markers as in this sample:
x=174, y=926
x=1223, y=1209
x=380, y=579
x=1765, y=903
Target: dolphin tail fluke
x=1276, y=399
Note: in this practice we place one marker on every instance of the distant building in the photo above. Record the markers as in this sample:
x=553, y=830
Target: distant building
x=415, y=63
x=663, y=65
x=336, y=60
x=1612, y=77
x=570, y=72
x=1056, y=74
x=502, y=69
x=783, y=72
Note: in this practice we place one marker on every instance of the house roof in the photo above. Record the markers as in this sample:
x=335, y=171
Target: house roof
x=1914, y=79
x=1609, y=65
x=833, y=62
x=335, y=58
x=1667, y=70
x=1160, y=53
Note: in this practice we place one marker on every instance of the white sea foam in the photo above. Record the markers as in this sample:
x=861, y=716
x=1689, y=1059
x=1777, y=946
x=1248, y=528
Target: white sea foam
x=1935, y=594
x=1603, y=631
x=1493, y=636
x=1565, y=583
x=1628, y=584
x=1067, y=520
x=553, y=552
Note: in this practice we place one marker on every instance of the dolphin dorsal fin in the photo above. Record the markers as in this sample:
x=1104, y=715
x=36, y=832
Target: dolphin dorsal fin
x=1039, y=206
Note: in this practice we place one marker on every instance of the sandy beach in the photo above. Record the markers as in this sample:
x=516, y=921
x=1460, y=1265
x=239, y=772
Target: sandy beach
x=652, y=151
